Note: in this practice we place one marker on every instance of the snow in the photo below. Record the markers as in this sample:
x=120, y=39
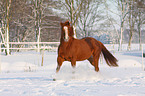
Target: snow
x=22, y=75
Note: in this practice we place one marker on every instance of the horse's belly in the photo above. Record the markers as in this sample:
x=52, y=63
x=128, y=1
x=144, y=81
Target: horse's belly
x=83, y=56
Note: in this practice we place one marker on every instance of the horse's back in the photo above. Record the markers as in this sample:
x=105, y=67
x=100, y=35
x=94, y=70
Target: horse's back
x=82, y=49
x=92, y=42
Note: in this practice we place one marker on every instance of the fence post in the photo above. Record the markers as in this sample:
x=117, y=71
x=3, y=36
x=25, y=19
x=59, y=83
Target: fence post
x=43, y=56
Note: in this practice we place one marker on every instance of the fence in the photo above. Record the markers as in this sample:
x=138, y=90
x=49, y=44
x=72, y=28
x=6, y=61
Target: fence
x=31, y=46
x=18, y=46
x=41, y=45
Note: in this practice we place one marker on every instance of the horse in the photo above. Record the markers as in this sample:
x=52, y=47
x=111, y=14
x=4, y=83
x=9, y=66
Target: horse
x=88, y=48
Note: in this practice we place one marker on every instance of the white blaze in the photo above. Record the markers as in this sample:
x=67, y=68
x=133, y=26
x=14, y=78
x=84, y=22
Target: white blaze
x=66, y=33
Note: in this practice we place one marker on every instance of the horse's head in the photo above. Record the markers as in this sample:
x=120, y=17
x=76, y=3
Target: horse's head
x=66, y=31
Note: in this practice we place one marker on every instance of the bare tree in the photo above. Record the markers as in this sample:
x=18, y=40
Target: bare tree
x=43, y=16
x=72, y=10
x=140, y=20
x=89, y=17
x=111, y=21
x=21, y=24
x=139, y=24
x=124, y=10
x=34, y=17
x=134, y=13
x=27, y=19
x=5, y=22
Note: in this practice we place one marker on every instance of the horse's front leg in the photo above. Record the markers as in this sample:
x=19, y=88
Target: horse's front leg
x=59, y=63
x=73, y=62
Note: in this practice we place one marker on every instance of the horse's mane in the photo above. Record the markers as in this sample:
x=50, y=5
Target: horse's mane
x=71, y=31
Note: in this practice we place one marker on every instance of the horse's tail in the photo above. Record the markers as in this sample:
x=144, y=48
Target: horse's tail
x=110, y=59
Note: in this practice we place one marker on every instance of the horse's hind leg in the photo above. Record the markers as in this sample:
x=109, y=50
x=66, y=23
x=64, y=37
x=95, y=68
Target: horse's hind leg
x=96, y=64
x=91, y=60
x=96, y=56
x=59, y=63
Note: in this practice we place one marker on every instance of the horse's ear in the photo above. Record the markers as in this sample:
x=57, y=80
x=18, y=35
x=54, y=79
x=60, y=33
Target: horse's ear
x=67, y=23
x=61, y=23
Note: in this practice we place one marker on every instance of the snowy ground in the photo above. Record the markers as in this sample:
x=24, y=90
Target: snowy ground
x=22, y=75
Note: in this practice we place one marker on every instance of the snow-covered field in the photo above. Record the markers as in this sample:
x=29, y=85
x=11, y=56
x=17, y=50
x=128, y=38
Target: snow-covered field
x=22, y=75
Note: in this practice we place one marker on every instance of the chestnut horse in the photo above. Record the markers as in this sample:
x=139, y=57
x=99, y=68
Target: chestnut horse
x=71, y=49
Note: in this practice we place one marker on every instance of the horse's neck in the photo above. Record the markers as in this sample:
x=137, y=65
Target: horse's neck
x=66, y=44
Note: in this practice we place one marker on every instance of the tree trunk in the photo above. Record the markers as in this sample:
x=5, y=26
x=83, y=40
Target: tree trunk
x=123, y=5
x=132, y=17
x=130, y=26
x=139, y=30
x=8, y=3
x=38, y=39
x=38, y=14
x=140, y=43
x=121, y=37
x=130, y=39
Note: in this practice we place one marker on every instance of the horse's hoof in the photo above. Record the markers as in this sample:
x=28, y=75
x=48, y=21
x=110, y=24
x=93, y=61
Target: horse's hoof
x=57, y=70
x=97, y=70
